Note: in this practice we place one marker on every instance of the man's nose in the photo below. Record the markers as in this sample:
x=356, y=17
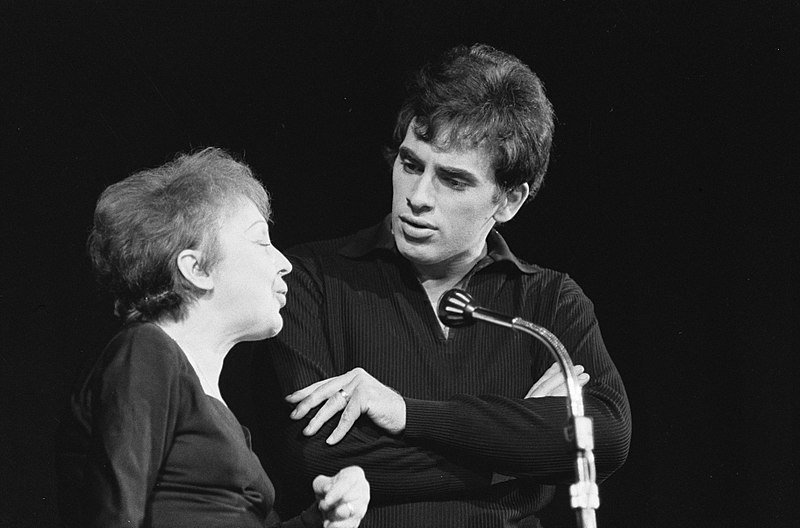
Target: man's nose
x=421, y=196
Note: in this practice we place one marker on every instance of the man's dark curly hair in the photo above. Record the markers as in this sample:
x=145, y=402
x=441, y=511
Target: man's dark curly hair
x=480, y=97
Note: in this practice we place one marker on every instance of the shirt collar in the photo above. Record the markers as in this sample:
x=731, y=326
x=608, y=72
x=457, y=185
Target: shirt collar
x=378, y=238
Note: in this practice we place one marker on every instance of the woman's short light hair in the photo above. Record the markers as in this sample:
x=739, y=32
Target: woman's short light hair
x=142, y=223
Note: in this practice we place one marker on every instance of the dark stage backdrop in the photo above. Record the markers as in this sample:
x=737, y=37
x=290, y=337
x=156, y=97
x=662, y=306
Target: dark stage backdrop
x=670, y=199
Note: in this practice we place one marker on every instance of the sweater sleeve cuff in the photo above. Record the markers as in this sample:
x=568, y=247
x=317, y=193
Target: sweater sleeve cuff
x=428, y=419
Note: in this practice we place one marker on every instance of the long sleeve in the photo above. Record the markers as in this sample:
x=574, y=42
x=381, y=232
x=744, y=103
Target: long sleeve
x=525, y=437
x=395, y=469
x=357, y=303
x=132, y=404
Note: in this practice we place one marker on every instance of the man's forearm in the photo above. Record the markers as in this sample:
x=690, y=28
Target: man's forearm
x=396, y=469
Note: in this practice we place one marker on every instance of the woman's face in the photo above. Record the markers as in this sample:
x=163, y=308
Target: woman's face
x=248, y=289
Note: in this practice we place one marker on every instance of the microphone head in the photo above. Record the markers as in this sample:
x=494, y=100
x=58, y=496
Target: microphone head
x=455, y=308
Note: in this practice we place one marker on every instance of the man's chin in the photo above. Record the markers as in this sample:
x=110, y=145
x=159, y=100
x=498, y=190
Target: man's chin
x=419, y=254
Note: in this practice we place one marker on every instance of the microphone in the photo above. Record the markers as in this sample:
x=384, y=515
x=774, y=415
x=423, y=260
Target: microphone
x=458, y=309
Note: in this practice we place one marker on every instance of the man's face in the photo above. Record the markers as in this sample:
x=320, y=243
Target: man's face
x=444, y=204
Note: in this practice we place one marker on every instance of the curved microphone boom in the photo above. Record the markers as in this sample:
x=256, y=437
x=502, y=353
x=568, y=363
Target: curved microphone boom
x=457, y=309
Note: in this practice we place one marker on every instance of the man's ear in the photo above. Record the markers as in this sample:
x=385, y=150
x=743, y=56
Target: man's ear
x=511, y=202
x=189, y=264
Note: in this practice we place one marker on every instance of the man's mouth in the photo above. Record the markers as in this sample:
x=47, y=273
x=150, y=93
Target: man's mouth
x=416, y=223
x=415, y=230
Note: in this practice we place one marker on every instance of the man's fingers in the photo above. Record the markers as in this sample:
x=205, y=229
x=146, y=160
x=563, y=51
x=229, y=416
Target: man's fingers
x=352, y=409
x=550, y=372
x=547, y=385
x=315, y=394
x=334, y=404
x=552, y=382
x=323, y=389
x=306, y=404
x=349, y=416
x=298, y=395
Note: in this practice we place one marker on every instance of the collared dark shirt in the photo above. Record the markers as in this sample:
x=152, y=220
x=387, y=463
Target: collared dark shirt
x=355, y=302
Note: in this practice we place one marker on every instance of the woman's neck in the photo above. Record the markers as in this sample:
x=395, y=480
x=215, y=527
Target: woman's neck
x=204, y=345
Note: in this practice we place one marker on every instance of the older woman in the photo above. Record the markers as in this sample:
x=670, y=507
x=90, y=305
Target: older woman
x=185, y=249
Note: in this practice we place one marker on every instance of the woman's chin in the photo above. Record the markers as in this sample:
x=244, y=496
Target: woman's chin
x=272, y=329
x=265, y=331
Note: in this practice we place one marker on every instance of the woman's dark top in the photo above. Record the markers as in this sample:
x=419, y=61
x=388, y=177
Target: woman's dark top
x=143, y=445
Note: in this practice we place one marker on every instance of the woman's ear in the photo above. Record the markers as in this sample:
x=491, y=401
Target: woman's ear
x=189, y=264
x=511, y=203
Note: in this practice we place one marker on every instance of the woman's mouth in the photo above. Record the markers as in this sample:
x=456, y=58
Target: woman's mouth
x=281, y=297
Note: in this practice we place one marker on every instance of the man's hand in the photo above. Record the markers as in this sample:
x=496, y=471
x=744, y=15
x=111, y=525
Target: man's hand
x=341, y=499
x=354, y=393
x=552, y=382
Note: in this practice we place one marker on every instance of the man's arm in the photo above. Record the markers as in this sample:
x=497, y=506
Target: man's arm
x=357, y=393
x=396, y=469
x=525, y=437
x=512, y=436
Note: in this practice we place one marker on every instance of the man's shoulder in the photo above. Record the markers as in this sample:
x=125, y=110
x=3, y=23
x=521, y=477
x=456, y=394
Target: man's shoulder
x=541, y=280
x=318, y=248
x=352, y=246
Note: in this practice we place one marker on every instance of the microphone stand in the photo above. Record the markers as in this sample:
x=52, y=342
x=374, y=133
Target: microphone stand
x=584, y=494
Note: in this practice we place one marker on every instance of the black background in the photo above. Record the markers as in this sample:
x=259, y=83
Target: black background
x=671, y=198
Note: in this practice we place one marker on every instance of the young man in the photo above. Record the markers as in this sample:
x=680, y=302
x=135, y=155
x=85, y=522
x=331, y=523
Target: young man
x=458, y=427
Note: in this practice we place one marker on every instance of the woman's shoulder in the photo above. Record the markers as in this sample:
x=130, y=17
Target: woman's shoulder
x=144, y=344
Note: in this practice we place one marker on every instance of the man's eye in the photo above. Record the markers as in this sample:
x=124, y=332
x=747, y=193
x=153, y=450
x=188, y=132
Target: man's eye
x=455, y=183
x=410, y=167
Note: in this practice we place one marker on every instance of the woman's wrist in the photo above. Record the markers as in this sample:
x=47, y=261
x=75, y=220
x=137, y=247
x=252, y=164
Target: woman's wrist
x=311, y=516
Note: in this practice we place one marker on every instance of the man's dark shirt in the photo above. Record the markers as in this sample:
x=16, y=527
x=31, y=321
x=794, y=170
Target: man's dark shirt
x=474, y=452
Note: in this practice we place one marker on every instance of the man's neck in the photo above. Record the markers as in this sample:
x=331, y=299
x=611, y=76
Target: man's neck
x=439, y=278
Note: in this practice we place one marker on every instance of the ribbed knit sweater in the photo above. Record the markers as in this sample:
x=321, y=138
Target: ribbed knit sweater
x=474, y=452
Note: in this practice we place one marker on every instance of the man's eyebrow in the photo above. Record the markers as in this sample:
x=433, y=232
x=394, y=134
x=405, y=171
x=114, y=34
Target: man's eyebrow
x=443, y=170
x=455, y=172
x=407, y=153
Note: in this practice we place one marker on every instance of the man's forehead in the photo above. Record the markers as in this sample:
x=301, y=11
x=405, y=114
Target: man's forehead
x=447, y=143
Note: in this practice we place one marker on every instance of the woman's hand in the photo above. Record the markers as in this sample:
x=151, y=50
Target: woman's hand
x=343, y=498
